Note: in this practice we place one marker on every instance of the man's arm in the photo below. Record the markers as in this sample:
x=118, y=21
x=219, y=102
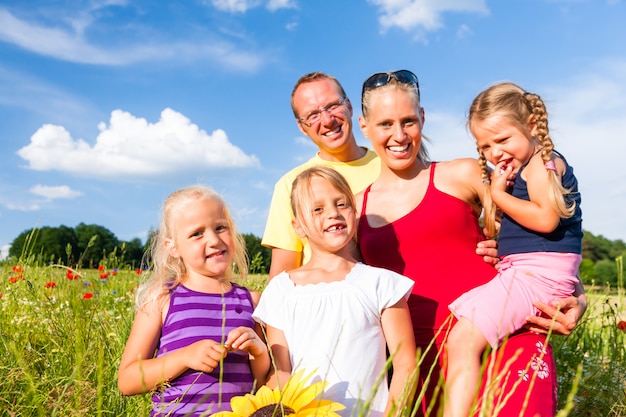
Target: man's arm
x=284, y=260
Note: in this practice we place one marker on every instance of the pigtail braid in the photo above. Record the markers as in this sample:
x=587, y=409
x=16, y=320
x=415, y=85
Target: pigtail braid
x=556, y=191
x=491, y=210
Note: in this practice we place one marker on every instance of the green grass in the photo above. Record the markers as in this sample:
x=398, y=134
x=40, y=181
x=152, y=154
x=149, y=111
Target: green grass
x=61, y=349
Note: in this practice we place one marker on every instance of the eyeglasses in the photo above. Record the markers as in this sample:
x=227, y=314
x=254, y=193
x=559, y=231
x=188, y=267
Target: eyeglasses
x=382, y=78
x=316, y=115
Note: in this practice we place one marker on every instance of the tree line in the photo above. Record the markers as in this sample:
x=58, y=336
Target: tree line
x=90, y=245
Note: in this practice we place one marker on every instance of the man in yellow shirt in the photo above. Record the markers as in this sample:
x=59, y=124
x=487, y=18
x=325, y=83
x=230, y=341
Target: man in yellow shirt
x=324, y=114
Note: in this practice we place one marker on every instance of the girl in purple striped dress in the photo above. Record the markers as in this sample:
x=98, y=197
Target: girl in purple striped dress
x=193, y=342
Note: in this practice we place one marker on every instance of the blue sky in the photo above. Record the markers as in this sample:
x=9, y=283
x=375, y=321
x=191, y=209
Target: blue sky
x=107, y=106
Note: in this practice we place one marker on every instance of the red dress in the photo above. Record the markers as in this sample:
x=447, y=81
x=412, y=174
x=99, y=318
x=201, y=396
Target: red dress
x=435, y=245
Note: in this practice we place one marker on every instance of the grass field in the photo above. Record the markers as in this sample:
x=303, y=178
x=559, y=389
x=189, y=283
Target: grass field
x=62, y=333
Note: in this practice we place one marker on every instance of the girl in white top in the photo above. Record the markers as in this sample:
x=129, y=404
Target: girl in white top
x=334, y=315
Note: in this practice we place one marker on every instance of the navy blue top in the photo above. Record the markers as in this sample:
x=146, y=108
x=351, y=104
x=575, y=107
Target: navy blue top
x=567, y=237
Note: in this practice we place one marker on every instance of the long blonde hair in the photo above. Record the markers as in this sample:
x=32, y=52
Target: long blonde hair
x=168, y=271
x=518, y=107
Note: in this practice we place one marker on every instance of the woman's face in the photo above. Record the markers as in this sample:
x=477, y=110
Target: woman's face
x=394, y=127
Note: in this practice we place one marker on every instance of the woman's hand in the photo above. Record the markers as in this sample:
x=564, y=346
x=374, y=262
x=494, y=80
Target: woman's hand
x=561, y=315
x=488, y=249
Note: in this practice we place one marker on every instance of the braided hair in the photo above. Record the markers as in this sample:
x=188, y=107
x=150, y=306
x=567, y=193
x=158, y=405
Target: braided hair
x=523, y=109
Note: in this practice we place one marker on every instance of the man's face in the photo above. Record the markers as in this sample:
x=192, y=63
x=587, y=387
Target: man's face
x=332, y=132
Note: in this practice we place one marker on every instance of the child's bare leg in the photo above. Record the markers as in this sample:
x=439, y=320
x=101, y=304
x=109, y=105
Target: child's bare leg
x=464, y=347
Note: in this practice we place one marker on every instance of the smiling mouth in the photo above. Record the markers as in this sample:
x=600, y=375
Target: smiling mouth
x=213, y=255
x=335, y=228
x=398, y=148
x=333, y=132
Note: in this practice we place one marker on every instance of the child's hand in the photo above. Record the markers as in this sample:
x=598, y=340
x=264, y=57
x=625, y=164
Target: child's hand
x=204, y=355
x=502, y=177
x=246, y=339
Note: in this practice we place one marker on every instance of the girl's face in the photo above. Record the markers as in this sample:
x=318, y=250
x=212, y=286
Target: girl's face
x=332, y=221
x=203, y=239
x=503, y=143
x=394, y=127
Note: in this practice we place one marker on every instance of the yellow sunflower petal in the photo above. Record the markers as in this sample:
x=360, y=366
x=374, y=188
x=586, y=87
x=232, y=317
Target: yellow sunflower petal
x=322, y=408
x=307, y=395
x=242, y=406
x=225, y=414
x=326, y=404
x=314, y=412
x=264, y=396
x=293, y=389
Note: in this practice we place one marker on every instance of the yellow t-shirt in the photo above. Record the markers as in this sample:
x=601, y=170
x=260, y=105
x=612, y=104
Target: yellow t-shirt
x=279, y=232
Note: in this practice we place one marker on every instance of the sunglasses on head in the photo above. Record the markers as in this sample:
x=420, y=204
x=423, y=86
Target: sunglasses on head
x=382, y=78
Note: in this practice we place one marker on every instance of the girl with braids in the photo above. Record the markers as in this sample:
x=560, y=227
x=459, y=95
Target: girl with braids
x=540, y=238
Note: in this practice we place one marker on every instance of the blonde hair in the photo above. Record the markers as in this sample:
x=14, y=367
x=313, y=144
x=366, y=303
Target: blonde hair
x=521, y=109
x=168, y=271
x=302, y=194
x=412, y=91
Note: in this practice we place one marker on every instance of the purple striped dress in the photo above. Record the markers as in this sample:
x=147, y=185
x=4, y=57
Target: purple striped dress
x=194, y=316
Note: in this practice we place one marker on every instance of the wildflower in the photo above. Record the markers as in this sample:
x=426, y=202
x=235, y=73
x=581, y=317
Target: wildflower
x=138, y=271
x=87, y=296
x=13, y=280
x=114, y=272
x=104, y=275
x=101, y=268
x=295, y=399
x=70, y=275
x=18, y=268
x=622, y=325
x=50, y=284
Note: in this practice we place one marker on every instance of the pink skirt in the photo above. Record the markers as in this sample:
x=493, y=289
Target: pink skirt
x=500, y=307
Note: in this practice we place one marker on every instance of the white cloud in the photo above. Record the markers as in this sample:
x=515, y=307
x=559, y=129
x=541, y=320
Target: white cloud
x=463, y=32
x=69, y=44
x=422, y=15
x=235, y=6
x=54, y=192
x=4, y=252
x=280, y=4
x=23, y=207
x=242, y=6
x=131, y=146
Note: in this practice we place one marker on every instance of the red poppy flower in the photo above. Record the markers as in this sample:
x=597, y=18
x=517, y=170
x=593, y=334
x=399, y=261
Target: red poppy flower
x=138, y=271
x=114, y=272
x=101, y=268
x=50, y=284
x=13, y=280
x=18, y=268
x=622, y=325
x=87, y=296
x=104, y=275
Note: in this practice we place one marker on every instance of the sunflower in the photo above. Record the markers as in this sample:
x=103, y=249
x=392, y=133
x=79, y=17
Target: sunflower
x=294, y=399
